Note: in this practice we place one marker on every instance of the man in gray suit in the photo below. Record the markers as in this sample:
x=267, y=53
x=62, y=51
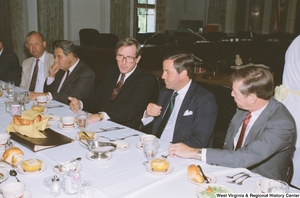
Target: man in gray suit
x=36, y=46
x=68, y=76
x=267, y=144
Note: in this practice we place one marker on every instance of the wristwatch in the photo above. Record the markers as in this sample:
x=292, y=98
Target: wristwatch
x=101, y=116
x=200, y=154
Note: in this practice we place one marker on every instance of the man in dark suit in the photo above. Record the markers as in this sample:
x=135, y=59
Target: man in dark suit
x=193, y=117
x=125, y=90
x=261, y=135
x=9, y=65
x=68, y=76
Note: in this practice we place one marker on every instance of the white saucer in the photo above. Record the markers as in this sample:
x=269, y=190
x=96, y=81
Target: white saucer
x=211, y=178
x=78, y=169
x=149, y=169
x=4, y=174
x=45, y=104
x=121, y=145
x=20, y=170
x=61, y=126
x=257, y=190
x=140, y=146
x=26, y=194
x=90, y=154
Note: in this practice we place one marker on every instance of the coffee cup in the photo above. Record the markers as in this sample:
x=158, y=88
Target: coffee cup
x=42, y=99
x=144, y=136
x=68, y=120
x=263, y=185
x=3, y=138
x=13, y=189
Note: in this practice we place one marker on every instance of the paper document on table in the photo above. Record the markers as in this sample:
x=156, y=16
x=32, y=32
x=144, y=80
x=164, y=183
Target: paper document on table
x=243, y=66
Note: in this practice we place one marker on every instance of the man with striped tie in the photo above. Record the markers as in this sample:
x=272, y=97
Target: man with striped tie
x=261, y=135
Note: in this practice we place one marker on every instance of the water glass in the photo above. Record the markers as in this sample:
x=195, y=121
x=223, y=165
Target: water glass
x=8, y=105
x=150, y=148
x=10, y=88
x=278, y=186
x=15, y=109
x=82, y=120
x=85, y=190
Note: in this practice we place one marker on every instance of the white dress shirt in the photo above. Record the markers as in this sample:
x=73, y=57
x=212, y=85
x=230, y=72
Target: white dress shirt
x=39, y=86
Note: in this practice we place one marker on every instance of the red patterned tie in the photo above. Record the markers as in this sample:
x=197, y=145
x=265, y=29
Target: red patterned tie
x=34, y=76
x=241, y=138
x=117, y=87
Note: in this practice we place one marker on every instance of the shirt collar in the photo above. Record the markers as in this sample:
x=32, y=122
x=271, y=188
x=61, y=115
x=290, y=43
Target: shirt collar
x=73, y=66
x=42, y=58
x=182, y=92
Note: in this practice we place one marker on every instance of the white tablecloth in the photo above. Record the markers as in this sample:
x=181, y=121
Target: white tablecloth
x=124, y=175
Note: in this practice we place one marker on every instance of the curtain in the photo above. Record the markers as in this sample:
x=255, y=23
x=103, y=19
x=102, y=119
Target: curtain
x=120, y=18
x=50, y=21
x=160, y=15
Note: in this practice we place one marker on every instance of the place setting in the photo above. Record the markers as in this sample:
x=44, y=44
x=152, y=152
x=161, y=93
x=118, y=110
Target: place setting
x=68, y=123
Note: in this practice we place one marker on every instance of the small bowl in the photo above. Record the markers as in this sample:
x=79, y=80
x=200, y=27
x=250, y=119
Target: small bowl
x=16, y=189
x=68, y=120
x=42, y=99
x=159, y=165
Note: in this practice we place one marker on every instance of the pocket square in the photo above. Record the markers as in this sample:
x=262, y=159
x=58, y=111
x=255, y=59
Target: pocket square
x=187, y=113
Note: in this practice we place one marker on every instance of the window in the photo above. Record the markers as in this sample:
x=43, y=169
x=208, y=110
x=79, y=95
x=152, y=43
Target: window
x=146, y=15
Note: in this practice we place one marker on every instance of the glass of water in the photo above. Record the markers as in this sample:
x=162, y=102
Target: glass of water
x=277, y=186
x=150, y=148
x=10, y=88
x=82, y=120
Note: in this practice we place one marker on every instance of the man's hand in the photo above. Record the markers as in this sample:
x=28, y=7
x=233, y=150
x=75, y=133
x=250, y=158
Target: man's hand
x=94, y=118
x=53, y=70
x=74, y=104
x=153, y=110
x=33, y=95
x=182, y=150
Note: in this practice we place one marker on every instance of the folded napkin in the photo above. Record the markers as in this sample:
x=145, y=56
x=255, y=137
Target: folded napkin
x=32, y=130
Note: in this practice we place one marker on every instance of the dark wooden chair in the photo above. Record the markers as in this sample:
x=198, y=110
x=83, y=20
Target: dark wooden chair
x=226, y=110
x=86, y=37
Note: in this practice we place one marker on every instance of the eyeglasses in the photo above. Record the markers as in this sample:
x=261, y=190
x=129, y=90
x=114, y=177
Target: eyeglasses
x=128, y=59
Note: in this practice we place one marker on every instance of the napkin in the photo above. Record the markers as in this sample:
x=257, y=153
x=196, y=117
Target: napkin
x=32, y=130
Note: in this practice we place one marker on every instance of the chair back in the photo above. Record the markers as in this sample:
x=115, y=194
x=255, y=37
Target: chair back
x=86, y=37
x=226, y=110
x=156, y=89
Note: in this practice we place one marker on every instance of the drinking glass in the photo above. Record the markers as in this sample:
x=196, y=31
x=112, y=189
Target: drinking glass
x=10, y=88
x=150, y=148
x=85, y=190
x=82, y=120
x=277, y=186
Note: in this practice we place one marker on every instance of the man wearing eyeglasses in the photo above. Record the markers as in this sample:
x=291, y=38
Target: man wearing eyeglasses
x=124, y=92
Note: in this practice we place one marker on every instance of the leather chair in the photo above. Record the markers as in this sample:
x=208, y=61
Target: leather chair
x=86, y=37
x=106, y=41
x=157, y=87
x=226, y=110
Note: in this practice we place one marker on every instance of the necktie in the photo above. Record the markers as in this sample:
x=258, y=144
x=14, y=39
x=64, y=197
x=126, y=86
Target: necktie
x=117, y=87
x=166, y=116
x=34, y=76
x=241, y=138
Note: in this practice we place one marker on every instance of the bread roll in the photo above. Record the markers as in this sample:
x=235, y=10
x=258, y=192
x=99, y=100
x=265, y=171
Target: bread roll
x=159, y=165
x=31, y=165
x=195, y=174
x=13, y=155
x=20, y=121
x=38, y=108
x=83, y=137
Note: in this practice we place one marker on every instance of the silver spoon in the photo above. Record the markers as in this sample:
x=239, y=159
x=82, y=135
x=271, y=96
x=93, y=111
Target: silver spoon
x=107, y=138
x=241, y=182
x=233, y=181
x=123, y=138
x=165, y=156
x=231, y=177
x=13, y=173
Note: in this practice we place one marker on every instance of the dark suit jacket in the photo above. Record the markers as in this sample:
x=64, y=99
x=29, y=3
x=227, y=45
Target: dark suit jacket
x=79, y=84
x=10, y=68
x=268, y=147
x=196, y=129
x=128, y=107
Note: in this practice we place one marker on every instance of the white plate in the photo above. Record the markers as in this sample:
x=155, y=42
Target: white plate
x=90, y=154
x=257, y=190
x=211, y=178
x=78, y=169
x=36, y=103
x=26, y=194
x=203, y=188
x=4, y=174
x=60, y=125
x=139, y=145
x=121, y=145
x=149, y=169
x=20, y=170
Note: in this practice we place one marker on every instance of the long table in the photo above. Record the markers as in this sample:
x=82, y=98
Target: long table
x=124, y=175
